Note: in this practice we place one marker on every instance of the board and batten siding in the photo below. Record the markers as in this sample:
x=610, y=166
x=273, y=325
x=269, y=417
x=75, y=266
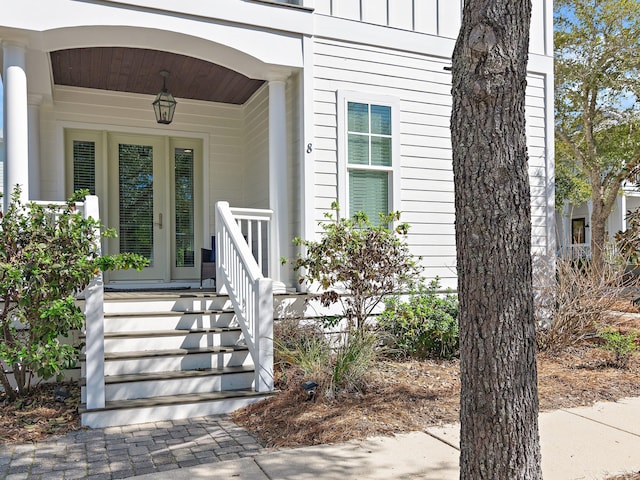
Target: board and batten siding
x=433, y=17
x=423, y=87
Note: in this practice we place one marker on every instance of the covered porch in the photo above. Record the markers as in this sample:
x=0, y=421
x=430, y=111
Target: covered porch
x=78, y=115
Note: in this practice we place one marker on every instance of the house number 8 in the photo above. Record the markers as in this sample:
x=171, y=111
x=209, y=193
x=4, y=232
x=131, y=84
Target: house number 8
x=309, y=148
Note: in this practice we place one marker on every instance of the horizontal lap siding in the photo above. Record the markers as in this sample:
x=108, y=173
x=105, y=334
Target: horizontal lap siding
x=427, y=190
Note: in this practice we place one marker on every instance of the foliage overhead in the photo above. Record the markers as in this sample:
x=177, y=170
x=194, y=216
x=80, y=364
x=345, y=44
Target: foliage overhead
x=48, y=255
x=628, y=242
x=597, y=117
x=365, y=261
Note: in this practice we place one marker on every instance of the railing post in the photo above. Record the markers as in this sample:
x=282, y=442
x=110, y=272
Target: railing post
x=264, y=335
x=220, y=248
x=94, y=326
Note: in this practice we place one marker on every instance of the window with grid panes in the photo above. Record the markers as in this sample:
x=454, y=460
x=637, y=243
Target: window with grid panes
x=369, y=158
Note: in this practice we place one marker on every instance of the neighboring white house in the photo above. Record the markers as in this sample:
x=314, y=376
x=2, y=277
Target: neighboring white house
x=573, y=222
x=273, y=101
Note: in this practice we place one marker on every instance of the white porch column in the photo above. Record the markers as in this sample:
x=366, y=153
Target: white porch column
x=621, y=206
x=587, y=231
x=278, y=176
x=16, y=123
x=565, y=240
x=34, y=146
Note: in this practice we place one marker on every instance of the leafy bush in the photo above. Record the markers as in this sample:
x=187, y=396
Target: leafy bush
x=367, y=262
x=424, y=326
x=47, y=256
x=628, y=241
x=622, y=345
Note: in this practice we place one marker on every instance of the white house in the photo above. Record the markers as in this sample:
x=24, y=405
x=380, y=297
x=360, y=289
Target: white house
x=283, y=107
x=573, y=222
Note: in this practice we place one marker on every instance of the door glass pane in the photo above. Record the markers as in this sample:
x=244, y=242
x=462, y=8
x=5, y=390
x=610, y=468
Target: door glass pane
x=136, y=199
x=184, y=208
x=84, y=166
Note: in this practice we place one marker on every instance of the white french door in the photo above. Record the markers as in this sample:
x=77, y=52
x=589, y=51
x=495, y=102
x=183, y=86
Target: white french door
x=154, y=202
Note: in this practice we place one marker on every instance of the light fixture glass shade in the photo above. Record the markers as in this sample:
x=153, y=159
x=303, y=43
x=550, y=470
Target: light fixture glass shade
x=164, y=106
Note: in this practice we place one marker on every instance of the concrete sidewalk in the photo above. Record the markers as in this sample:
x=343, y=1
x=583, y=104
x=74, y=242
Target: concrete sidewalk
x=586, y=443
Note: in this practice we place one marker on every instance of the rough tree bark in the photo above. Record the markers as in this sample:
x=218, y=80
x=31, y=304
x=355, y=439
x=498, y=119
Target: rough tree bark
x=499, y=398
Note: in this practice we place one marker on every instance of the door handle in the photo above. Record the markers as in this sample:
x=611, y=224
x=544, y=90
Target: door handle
x=159, y=222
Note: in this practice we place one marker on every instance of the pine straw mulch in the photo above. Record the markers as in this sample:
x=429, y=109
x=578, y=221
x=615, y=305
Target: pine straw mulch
x=411, y=395
x=401, y=396
x=39, y=416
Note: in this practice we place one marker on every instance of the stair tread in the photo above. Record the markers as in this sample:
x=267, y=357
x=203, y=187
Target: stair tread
x=171, y=352
x=168, y=333
x=143, y=294
x=173, y=375
x=168, y=313
x=175, y=400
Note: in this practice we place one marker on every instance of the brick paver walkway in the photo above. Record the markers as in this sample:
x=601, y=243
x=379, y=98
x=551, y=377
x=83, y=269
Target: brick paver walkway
x=121, y=452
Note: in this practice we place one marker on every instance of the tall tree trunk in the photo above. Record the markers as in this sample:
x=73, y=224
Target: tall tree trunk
x=499, y=398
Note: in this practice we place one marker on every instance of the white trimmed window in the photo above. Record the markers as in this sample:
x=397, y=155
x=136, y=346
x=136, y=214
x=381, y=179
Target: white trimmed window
x=368, y=154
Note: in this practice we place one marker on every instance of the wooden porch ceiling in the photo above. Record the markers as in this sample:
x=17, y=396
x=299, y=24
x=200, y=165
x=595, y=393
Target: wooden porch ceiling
x=137, y=70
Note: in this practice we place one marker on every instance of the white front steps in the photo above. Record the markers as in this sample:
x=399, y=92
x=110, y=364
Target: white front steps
x=169, y=356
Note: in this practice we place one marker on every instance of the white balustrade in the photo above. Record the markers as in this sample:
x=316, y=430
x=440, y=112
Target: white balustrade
x=239, y=275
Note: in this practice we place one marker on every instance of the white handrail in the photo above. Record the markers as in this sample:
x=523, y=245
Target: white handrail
x=239, y=276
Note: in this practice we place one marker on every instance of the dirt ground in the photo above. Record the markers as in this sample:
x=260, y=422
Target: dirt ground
x=40, y=416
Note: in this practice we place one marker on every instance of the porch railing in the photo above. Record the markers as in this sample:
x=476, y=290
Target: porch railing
x=254, y=225
x=576, y=250
x=240, y=276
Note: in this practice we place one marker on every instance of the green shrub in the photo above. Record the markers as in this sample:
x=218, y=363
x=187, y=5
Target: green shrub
x=622, y=345
x=424, y=326
x=365, y=261
x=47, y=256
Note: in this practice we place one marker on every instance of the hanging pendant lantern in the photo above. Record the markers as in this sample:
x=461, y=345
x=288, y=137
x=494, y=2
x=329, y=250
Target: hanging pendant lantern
x=164, y=105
